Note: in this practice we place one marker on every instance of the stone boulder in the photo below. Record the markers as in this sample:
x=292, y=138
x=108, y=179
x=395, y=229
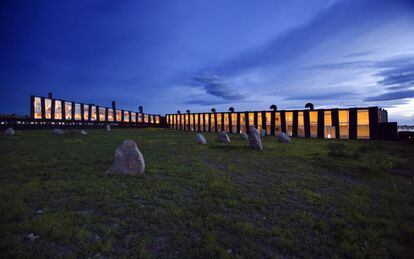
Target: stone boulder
x=108, y=127
x=83, y=132
x=263, y=133
x=128, y=160
x=58, y=131
x=244, y=136
x=9, y=132
x=201, y=139
x=283, y=137
x=255, y=141
x=223, y=137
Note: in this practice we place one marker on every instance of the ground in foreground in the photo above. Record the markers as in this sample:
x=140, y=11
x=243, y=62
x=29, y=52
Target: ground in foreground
x=316, y=198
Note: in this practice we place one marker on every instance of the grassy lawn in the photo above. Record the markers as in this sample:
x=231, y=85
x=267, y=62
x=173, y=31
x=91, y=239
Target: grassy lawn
x=312, y=198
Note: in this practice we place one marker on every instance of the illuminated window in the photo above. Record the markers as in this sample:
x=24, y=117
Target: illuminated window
x=110, y=115
x=219, y=126
x=213, y=126
x=151, y=119
x=68, y=110
x=344, y=124
x=329, y=129
x=268, y=122
x=259, y=122
x=48, y=106
x=93, y=113
x=242, y=122
x=206, y=121
x=363, y=124
x=289, y=123
x=118, y=115
x=251, y=119
x=313, y=121
x=133, y=117
x=140, y=117
x=301, y=125
x=58, y=109
x=191, y=122
x=146, y=119
x=226, y=122
x=86, y=112
x=37, y=108
x=278, y=123
x=157, y=119
x=126, y=116
x=234, y=122
x=196, y=122
x=78, y=115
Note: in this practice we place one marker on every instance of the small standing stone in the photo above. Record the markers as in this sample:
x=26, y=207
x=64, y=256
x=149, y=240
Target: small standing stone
x=128, y=160
x=223, y=137
x=255, y=141
x=59, y=131
x=201, y=139
x=263, y=133
x=83, y=132
x=108, y=127
x=9, y=132
x=244, y=136
x=32, y=237
x=283, y=137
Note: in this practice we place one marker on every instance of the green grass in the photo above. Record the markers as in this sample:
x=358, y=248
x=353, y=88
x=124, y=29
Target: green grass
x=312, y=198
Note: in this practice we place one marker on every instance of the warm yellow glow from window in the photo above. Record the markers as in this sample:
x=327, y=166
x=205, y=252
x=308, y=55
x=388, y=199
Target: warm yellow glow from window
x=226, y=122
x=85, y=112
x=242, y=122
x=234, y=122
x=301, y=125
x=133, y=117
x=196, y=122
x=37, y=108
x=146, y=118
x=206, y=121
x=329, y=129
x=191, y=122
x=289, y=123
x=259, y=122
x=278, y=123
x=58, y=110
x=68, y=110
x=126, y=116
x=140, y=117
x=157, y=119
x=251, y=119
x=219, y=128
x=48, y=106
x=343, y=124
x=110, y=115
x=118, y=115
x=213, y=125
x=313, y=120
x=78, y=115
x=363, y=124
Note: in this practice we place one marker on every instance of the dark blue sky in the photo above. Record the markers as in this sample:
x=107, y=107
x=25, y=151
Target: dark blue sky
x=168, y=55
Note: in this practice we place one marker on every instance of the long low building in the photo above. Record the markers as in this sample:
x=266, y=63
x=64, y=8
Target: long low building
x=62, y=112
x=335, y=123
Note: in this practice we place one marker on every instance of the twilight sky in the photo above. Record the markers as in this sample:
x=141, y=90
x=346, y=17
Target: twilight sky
x=190, y=54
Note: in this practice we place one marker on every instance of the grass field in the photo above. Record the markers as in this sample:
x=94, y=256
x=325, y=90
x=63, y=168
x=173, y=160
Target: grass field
x=312, y=198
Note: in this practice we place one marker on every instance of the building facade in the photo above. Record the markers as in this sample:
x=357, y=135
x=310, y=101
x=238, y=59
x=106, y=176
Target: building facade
x=63, y=112
x=352, y=123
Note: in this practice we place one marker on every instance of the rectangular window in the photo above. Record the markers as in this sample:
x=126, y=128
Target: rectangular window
x=259, y=122
x=93, y=113
x=242, y=122
x=126, y=116
x=213, y=126
x=110, y=115
x=78, y=115
x=37, y=108
x=301, y=125
x=191, y=122
x=157, y=119
x=313, y=121
x=133, y=117
x=201, y=117
x=343, y=124
x=146, y=118
x=268, y=122
x=289, y=123
x=196, y=122
x=363, y=124
x=226, y=122
x=329, y=129
x=68, y=110
x=48, y=106
x=251, y=119
x=234, y=122
x=58, y=109
x=278, y=123
x=85, y=112
x=118, y=115
x=207, y=123
x=151, y=118
x=219, y=126
x=140, y=117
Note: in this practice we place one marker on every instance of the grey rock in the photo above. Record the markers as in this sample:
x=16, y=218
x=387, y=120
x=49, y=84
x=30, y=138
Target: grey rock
x=263, y=133
x=201, y=139
x=283, y=137
x=58, y=131
x=32, y=237
x=83, y=132
x=255, y=141
x=108, y=127
x=128, y=160
x=223, y=137
x=9, y=132
x=244, y=136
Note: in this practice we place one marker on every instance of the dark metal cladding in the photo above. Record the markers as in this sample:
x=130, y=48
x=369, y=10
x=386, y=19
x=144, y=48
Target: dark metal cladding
x=373, y=122
x=335, y=121
x=283, y=121
x=306, y=121
x=353, y=123
x=295, y=124
x=321, y=123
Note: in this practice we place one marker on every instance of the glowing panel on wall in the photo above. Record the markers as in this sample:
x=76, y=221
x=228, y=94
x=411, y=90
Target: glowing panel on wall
x=234, y=122
x=268, y=122
x=363, y=124
x=110, y=115
x=313, y=121
x=37, y=108
x=58, y=109
x=118, y=115
x=278, y=123
x=343, y=124
x=126, y=116
x=301, y=125
x=68, y=110
x=86, y=112
x=226, y=122
x=289, y=123
x=329, y=129
x=78, y=115
x=242, y=122
x=219, y=126
x=93, y=113
x=48, y=107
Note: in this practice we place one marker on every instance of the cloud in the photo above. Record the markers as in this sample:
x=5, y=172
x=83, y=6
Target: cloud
x=218, y=87
x=392, y=95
